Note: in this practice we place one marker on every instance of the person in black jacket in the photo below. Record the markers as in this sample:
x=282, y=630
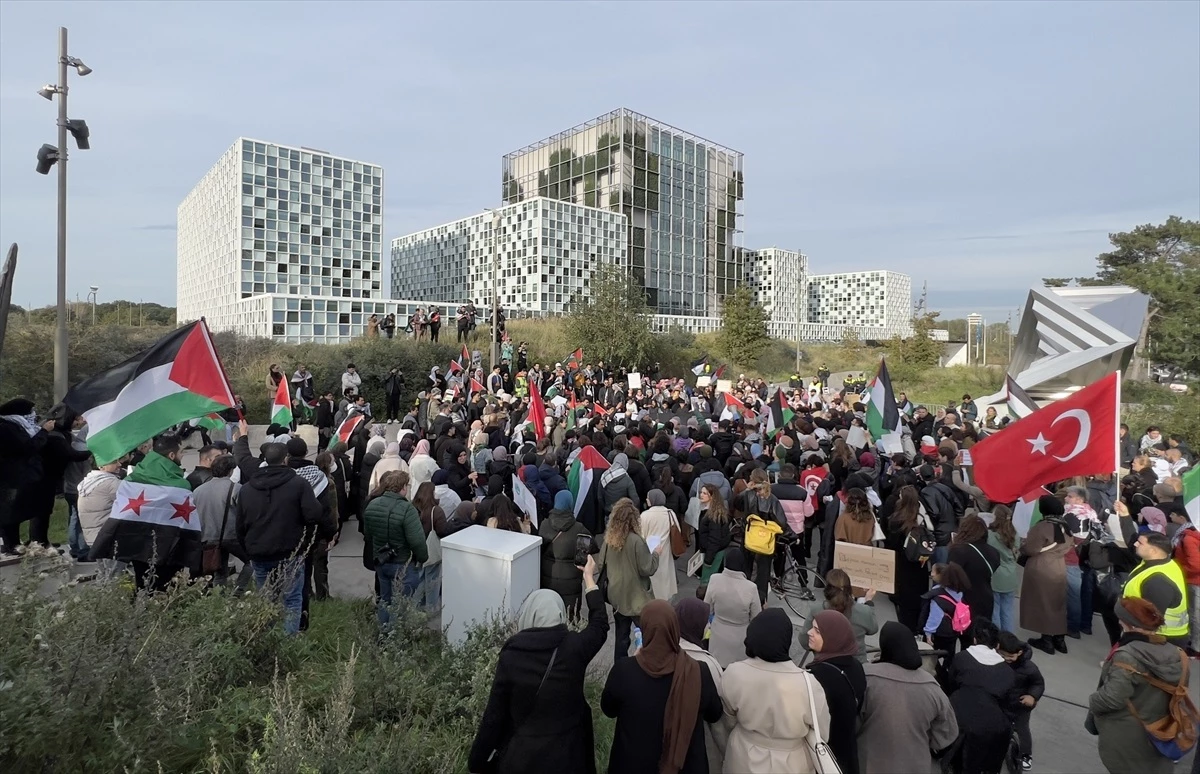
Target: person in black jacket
x=983, y=694
x=316, y=565
x=56, y=453
x=21, y=441
x=722, y=442
x=1029, y=688
x=203, y=470
x=393, y=388
x=326, y=410
x=537, y=717
x=658, y=698
x=941, y=506
x=278, y=511
x=970, y=550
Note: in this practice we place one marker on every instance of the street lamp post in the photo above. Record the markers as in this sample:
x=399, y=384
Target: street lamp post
x=92, y=297
x=48, y=156
x=495, y=345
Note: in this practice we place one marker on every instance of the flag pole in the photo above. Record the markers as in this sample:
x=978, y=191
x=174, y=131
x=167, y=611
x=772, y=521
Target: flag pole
x=1117, y=435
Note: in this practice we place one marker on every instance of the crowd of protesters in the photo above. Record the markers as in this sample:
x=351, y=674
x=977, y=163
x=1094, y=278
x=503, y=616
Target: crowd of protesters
x=705, y=682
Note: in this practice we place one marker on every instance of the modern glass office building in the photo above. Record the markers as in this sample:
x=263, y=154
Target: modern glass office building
x=679, y=193
x=272, y=219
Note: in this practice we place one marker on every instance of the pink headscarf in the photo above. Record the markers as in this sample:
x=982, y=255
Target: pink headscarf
x=422, y=448
x=1155, y=519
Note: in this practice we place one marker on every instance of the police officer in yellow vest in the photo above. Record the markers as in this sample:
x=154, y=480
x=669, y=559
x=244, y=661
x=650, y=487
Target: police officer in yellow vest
x=1159, y=580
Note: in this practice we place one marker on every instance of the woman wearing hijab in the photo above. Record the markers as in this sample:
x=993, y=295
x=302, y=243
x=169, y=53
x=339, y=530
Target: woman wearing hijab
x=558, y=532
x=1044, y=583
x=537, y=718
x=421, y=466
x=616, y=483
x=693, y=620
x=532, y=480
x=458, y=472
x=836, y=667
x=658, y=698
x=768, y=697
x=657, y=521
x=906, y=718
x=735, y=603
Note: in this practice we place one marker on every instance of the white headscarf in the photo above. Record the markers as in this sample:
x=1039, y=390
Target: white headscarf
x=27, y=421
x=542, y=608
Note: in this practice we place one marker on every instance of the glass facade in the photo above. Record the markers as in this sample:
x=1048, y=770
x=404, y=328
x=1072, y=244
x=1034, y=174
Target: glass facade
x=679, y=193
x=311, y=223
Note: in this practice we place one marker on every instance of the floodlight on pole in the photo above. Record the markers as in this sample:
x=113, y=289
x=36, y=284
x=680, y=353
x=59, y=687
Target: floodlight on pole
x=48, y=91
x=79, y=66
x=47, y=156
x=79, y=130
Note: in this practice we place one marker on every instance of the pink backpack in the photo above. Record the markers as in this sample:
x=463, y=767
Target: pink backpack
x=960, y=618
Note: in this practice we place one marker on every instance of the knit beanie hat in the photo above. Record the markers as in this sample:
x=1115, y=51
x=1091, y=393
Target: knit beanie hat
x=1138, y=612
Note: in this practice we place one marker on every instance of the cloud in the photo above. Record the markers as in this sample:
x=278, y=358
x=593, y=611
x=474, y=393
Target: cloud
x=156, y=227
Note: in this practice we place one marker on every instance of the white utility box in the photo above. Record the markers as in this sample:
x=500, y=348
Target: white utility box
x=486, y=574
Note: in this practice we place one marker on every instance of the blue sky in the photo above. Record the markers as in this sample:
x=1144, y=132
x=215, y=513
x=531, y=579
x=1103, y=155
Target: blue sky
x=976, y=146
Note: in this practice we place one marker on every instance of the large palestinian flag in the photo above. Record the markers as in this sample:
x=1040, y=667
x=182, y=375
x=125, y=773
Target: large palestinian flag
x=346, y=429
x=153, y=519
x=281, y=407
x=883, y=416
x=584, y=482
x=177, y=379
x=777, y=413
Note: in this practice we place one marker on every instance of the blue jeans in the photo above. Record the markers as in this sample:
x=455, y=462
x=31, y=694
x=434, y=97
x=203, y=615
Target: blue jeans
x=409, y=575
x=429, y=594
x=941, y=554
x=1002, y=610
x=1074, y=597
x=287, y=579
x=78, y=546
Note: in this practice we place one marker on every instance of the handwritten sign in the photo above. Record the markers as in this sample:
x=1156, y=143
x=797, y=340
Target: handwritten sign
x=703, y=381
x=724, y=385
x=695, y=563
x=635, y=381
x=867, y=566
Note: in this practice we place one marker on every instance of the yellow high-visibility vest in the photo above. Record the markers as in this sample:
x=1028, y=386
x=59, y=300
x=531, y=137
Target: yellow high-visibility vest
x=1175, y=623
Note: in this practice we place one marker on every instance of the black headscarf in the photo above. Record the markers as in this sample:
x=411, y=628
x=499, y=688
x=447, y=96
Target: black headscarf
x=897, y=646
x=693, y=618
x=769, y=636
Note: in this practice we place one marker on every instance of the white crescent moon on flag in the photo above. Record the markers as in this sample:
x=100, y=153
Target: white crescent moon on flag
x=1085, y=431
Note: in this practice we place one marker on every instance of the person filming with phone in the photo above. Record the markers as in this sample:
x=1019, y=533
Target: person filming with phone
x=566, y=545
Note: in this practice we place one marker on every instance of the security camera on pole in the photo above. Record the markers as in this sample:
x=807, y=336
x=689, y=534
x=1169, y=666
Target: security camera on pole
x=48, y=156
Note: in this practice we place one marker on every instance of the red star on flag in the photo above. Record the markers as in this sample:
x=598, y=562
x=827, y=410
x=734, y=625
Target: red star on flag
x=183, y=510
x=135, y=503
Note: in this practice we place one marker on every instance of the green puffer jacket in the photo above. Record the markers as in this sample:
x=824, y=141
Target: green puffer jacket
x=1123, y=743
x=393, y=526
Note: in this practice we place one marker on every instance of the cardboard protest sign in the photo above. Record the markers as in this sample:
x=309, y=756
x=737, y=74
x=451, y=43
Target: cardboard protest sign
x=724, y=385
x=703, y=381
x=695, y=563
x=635, y=381
x=867, y=566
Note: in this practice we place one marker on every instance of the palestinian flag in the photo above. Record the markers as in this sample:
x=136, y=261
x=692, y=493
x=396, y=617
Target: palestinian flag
x=571, y=407
x=583, y=479
x=777, y=413
x=177, y=379
x=537, y=413
x=455, y=368
x=281, y=407
x=346, y=429
x=575, y=359
x=720, y=372
x=883, y=418
x=210, y=422
x=598, y=410
x=699, y=366
x=729, y=406
x=1026, y=512
x=1191, y=494
x=153, y=518
x=475, y=387
x=1018, y=401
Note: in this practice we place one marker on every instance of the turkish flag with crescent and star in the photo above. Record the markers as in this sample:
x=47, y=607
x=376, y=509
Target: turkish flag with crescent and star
x=1075, y=436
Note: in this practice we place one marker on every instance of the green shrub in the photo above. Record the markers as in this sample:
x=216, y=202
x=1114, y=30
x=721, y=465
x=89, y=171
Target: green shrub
x=94, y=678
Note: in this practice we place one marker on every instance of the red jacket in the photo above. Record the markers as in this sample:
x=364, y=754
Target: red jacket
x=1187, y=554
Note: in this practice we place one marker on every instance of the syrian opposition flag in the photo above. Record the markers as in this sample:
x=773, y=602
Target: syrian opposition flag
x=1076, y=436
x=346, y=429
x=583, y=479
x=177, y=379
x=883, y=417
x=281, y=407
x=1018, y=401
x=153, y=518
x=537, y=413
x=777, y=413
x=1026, y=512
x=575, y=359
x=699, y=366
x=1191, y=494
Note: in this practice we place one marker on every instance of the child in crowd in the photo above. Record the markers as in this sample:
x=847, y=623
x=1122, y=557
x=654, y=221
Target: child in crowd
x=945, y=616
x=1029, y=689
